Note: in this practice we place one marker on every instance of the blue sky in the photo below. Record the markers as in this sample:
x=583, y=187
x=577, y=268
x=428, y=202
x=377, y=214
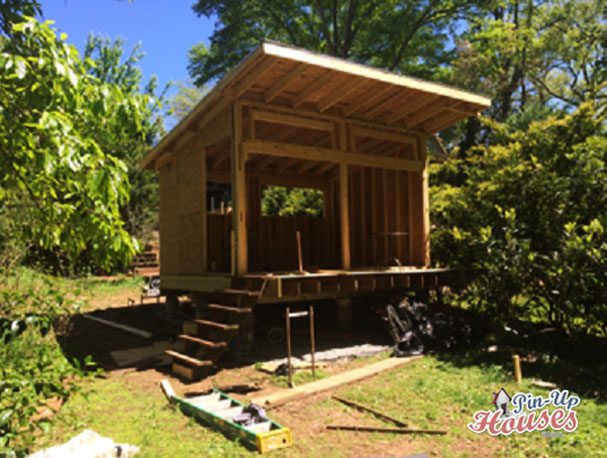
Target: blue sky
x=166, y=28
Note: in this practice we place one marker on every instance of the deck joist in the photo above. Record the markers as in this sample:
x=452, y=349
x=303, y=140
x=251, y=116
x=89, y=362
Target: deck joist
x=291, y=287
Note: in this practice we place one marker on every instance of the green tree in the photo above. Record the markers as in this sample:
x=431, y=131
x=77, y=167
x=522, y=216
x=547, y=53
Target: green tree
x=106, y=61
x=186, y=98
x=402, y=36
x=56, y=181
x=283, y=201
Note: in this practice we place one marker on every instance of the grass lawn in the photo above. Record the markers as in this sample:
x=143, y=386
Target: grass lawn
x=429, y=393
x=90, y=292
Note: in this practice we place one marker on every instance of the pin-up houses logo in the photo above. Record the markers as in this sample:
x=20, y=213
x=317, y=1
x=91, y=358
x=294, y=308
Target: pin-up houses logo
x=524, y=413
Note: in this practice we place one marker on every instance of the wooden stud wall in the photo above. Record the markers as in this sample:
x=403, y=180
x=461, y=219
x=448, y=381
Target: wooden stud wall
x=385, y=218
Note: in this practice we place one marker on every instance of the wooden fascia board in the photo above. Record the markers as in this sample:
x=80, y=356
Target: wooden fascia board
x=315, y=153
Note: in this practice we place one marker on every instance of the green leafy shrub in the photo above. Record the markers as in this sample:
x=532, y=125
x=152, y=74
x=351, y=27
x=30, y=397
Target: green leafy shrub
x=32, y=367
x=529, y=212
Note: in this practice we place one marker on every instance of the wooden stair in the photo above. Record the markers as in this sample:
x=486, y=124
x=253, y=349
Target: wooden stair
x=206, y=338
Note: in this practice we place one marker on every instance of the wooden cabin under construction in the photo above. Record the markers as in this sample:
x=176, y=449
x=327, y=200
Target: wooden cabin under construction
x=289, y=117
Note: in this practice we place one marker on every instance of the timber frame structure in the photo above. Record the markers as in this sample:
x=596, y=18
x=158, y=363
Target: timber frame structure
x=290, y=117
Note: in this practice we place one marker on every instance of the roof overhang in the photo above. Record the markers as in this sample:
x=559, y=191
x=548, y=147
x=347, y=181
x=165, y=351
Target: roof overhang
x=284, y=76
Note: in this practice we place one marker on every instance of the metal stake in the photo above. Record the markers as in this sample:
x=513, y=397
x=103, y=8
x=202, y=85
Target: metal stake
x=312, y=341
x=288, y=325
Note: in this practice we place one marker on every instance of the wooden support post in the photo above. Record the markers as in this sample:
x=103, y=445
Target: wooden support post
x=344, y=314
x=343, y=201
x=518, y=375
x=203, y=211
x=425, y=203
x=288, y=328
x=419, y=212
x=239, y=193
x=299, y=254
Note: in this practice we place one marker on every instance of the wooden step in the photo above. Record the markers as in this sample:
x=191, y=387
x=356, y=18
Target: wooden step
x=188, y=359
x=214, y=324
x=202, y=342
x=239, y=292
x=229, y=308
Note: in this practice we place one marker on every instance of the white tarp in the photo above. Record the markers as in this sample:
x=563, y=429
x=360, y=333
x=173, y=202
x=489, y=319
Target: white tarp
x=88, y=444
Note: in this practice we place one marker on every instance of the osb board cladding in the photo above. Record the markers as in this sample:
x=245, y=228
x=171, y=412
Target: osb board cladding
x=379, y=217
x=181, y=212
x=218, y=230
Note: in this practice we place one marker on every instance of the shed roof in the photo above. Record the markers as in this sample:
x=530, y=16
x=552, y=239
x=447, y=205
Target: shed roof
x=286, y=76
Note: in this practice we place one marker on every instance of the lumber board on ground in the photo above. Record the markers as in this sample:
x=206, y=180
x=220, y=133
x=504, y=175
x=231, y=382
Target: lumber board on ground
x=283, y=396
x=123, y=327
x=375, y=429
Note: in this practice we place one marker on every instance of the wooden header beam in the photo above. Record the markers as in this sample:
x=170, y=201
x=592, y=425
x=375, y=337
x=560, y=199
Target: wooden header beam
x=316, y=153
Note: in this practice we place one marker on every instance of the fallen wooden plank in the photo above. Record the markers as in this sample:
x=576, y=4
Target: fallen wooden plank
x=380, y=415
x=123, y=327
x=373, y=429
x=281, y=397
x=133, y=356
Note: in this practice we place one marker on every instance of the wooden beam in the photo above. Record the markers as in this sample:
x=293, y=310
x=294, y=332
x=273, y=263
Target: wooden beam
x=284, y=82
x=241, y=86
x=327, y=116
x=344, y=211
x=340, y=93
x=384, y=135
x=123, y=327
x=291, y=120
x=419, y=213
x=316, y=153
x=311, y=89
x=366, y=101
x=425, y=203
x=290, y=394
x=203, y=210
x=239, y=193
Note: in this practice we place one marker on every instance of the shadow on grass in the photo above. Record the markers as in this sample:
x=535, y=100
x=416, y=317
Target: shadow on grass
x=578, y=365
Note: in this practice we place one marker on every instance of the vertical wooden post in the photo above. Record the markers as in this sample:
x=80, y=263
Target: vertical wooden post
x=203, y=212
x=419, y=212
x=518, y=375
x=288, y=328
x=312, y=342
x=239, y=193
x=425, y=203
x=344, y=214
x=299, y=254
